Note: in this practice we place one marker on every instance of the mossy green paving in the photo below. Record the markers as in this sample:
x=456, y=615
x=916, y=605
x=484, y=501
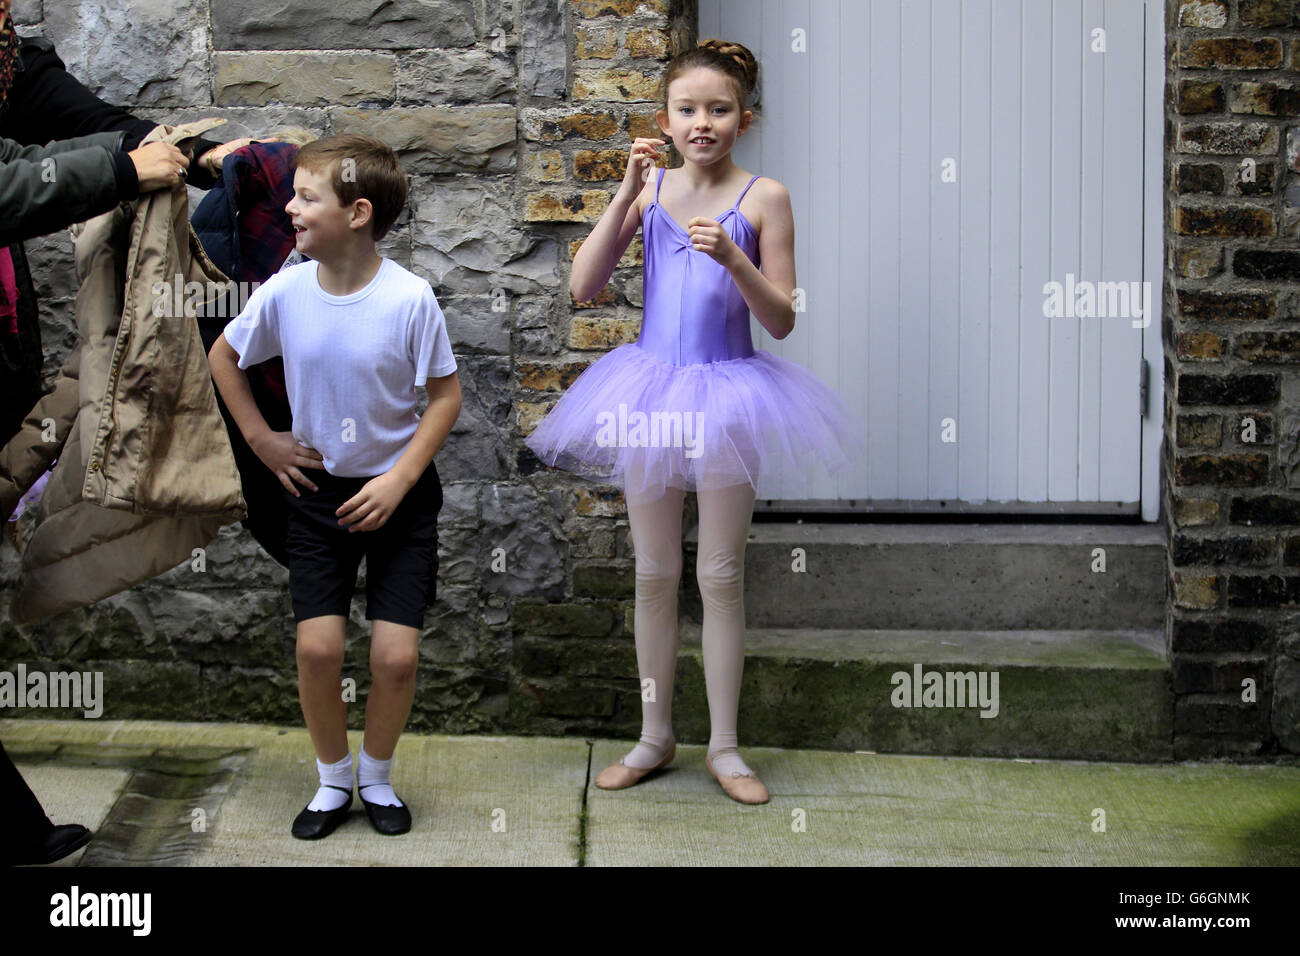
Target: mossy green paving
x=862, y=809
x=520, y=801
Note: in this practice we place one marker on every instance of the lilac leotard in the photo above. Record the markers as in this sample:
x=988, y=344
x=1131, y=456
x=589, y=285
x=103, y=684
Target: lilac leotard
x=691, y=403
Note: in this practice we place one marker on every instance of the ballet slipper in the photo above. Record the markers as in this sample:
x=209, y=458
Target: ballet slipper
x=619, y=775
x=744, y=788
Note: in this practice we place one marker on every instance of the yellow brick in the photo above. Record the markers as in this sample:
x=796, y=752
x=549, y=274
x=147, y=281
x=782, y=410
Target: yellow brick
x=624, y=85
x=548, y=378
x=595, y=42
x=600, y=164
x=646, y=43
x=1196, y=591
x=595, y=332
x=619, y=8
x=586, y=206
x=644, y=125
x=530, y=414
x=598, y=503
x=546, y=166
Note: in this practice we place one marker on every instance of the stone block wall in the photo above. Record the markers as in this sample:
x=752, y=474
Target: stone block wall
x=1232, y=395
x=512, y=119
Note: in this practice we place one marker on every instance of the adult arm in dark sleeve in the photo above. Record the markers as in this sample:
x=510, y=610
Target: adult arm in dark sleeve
x=48, y=103
x=47, y=188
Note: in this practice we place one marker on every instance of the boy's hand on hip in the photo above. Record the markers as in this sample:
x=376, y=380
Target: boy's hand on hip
x=374, y=504
x=284, y=455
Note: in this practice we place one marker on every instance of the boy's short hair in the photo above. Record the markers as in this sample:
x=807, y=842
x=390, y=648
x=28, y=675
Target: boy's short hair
x=359, y=167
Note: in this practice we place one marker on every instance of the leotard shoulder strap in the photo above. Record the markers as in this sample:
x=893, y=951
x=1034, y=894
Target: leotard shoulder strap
x=743, y=191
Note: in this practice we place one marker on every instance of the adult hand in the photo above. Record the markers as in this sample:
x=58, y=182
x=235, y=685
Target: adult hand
x=374, y=504
x=211, y=160
x=158, y=165
x=284, y=455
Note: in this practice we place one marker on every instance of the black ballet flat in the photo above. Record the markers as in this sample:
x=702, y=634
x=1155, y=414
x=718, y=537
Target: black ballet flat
x=390, y=821
x=315, y=824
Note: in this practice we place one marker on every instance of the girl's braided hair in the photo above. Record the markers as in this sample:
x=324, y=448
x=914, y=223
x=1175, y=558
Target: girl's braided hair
x=734, y=60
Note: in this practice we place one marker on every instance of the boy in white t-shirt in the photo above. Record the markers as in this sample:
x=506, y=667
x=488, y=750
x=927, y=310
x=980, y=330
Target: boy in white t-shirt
x=358, y=333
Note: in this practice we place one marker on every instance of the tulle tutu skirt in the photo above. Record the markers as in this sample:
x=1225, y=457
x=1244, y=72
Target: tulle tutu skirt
x=633, y=420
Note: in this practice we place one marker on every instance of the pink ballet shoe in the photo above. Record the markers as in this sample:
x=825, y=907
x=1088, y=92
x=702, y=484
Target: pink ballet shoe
x=744, y=788
x=619, y=775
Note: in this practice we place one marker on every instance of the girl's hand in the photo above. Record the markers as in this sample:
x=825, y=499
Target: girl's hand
x=284, y=455
x=707, y=235
x=374, y=504
x=640, y=162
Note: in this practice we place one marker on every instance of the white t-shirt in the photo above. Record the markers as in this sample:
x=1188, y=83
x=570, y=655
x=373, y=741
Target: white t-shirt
x=351, y=362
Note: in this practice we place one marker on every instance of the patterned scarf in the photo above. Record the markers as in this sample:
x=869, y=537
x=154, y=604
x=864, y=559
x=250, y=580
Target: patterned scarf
x=8, y=287
x=8, y=59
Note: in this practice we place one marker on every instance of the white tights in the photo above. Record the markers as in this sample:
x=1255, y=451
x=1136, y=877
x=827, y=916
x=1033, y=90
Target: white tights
x=656, y=525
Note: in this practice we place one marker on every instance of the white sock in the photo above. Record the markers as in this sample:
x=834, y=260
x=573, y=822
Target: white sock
x=372, y=780
x=649, y=750
x=333, y=775
x=728, y=763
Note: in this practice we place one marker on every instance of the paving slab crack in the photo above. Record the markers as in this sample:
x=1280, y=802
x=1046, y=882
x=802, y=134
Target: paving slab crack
x=168, y=806
x=582, y=818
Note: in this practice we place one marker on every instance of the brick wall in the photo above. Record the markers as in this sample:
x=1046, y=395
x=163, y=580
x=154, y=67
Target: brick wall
x=1232, y=449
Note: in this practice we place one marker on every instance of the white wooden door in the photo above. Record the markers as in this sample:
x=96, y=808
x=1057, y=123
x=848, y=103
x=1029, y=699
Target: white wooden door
x=948, y=160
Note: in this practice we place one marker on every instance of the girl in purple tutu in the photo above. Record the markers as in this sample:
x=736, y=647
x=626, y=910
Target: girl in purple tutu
x=692, y=405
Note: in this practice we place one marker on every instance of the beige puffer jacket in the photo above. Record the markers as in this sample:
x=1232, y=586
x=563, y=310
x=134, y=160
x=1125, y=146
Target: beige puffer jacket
x=145, y=472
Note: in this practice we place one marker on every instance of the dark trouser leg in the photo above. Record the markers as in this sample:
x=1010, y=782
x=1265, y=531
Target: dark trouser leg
x=23, y=824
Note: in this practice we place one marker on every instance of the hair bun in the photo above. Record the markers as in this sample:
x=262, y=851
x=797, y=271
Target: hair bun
x=737, y=53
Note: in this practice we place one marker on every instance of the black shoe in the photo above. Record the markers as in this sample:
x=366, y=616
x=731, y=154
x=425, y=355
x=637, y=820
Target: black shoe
x=60, y=842
x=390, y=821
x=315, y=824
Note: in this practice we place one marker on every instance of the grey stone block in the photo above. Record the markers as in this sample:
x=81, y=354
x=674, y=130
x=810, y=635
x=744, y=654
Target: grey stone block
x=454, y=77
x=28, y=11
x=478, y=447
x=145, y=53
x=304, y=79
x=468, y=238
x=543, y=50
x=439, y=139
x=475, y=327
x=330, y=25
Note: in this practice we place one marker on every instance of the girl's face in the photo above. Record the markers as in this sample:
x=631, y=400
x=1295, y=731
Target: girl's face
x=703, y=118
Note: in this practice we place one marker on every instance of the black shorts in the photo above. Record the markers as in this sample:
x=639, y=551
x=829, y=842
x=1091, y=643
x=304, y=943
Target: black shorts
x=401, y=556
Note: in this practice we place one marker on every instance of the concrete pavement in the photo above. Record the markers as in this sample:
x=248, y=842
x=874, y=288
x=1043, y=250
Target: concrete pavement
x=208, y=794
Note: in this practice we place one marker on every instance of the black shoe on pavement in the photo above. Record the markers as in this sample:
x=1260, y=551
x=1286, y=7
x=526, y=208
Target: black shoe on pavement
x=315, y=824
x=390, y=821
x=60, y=842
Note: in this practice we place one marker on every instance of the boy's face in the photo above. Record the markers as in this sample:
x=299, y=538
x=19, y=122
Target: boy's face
x=320, y=223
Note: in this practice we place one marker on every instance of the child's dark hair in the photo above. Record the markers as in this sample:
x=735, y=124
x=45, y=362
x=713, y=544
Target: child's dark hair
x=732, y=59
x=359, y=167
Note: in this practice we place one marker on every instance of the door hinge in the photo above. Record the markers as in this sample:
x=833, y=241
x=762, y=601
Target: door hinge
x=1144, y=388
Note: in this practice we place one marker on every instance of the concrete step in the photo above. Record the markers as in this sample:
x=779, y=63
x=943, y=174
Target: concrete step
x=943, y=576
x=1086, y=694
